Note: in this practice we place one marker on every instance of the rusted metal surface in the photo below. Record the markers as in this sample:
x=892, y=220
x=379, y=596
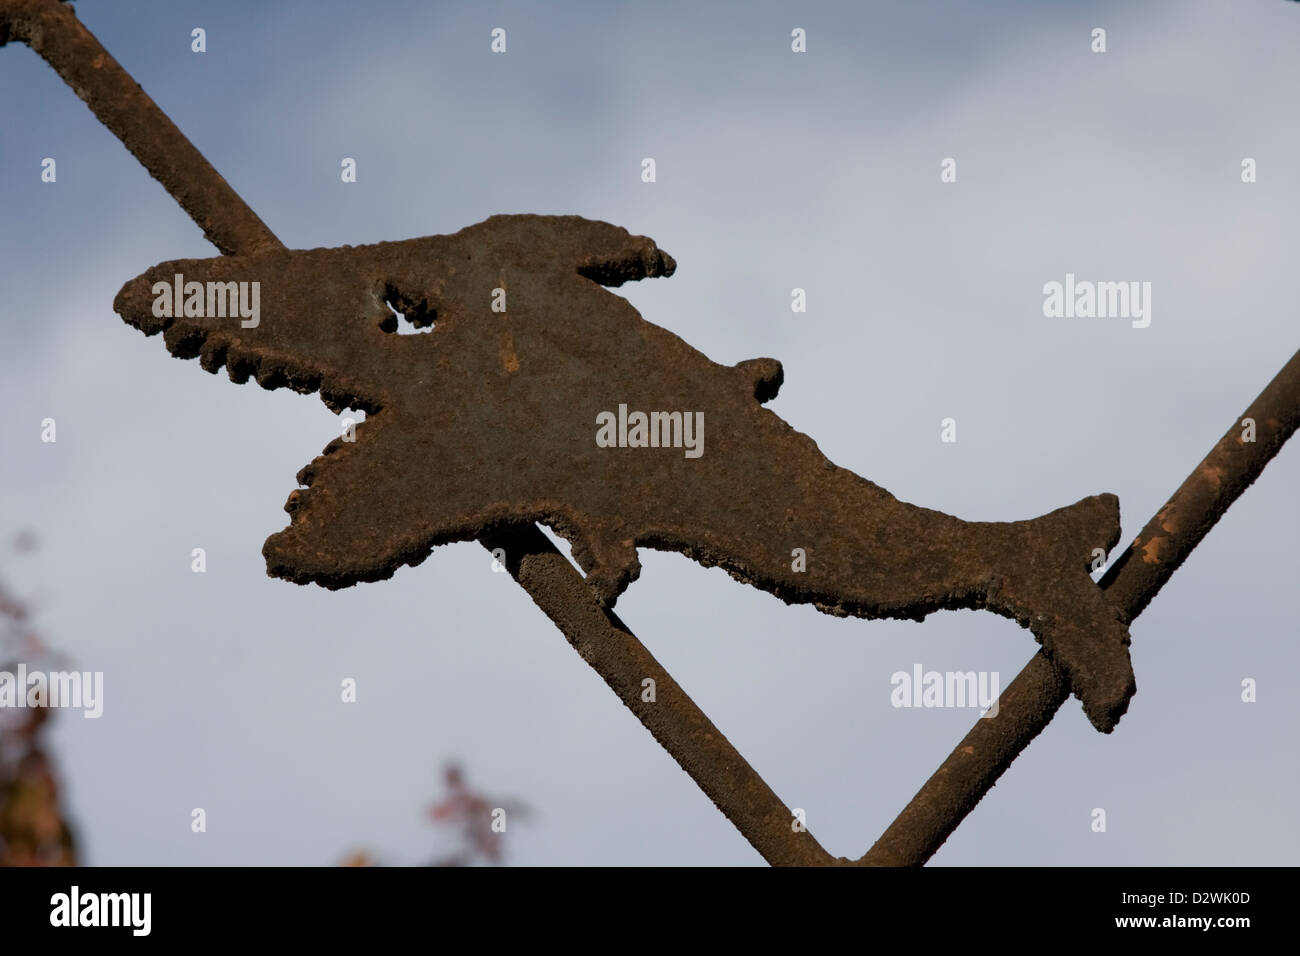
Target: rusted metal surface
x=1028, y=704
x=948, y=563
x=497, y=417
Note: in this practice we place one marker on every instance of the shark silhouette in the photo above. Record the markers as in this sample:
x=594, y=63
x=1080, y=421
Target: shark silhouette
x=492, y=418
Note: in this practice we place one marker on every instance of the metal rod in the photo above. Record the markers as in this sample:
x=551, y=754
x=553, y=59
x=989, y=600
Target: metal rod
x=681, y=728
x=1032, y=699
x=53, y=31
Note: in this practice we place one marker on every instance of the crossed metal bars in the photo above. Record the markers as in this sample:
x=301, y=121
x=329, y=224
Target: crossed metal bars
x=1027, y=705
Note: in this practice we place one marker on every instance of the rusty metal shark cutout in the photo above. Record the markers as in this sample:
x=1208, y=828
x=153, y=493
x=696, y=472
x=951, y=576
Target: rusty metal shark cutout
x=493, y=417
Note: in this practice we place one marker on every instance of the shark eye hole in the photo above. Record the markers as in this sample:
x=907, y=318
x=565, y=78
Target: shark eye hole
x=407, y=316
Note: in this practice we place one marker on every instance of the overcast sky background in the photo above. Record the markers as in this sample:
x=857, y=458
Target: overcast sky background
x=775, y=171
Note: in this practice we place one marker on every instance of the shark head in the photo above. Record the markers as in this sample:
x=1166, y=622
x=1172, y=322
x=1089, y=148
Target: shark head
x=489, y=417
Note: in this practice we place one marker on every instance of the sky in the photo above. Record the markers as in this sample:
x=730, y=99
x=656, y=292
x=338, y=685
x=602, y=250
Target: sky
x=775, y=170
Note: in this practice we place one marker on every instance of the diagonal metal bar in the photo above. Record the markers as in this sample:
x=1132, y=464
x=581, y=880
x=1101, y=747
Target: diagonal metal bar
x=604, y=641
x=675, y=720
x=1033, y=698
x=52, y=30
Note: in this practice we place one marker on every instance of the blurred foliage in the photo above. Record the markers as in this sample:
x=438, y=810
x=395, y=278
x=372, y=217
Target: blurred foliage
x=34, y=830
x=477, y=822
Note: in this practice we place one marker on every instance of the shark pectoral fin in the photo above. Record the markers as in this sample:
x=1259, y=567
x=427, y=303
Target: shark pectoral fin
x=352, y=523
